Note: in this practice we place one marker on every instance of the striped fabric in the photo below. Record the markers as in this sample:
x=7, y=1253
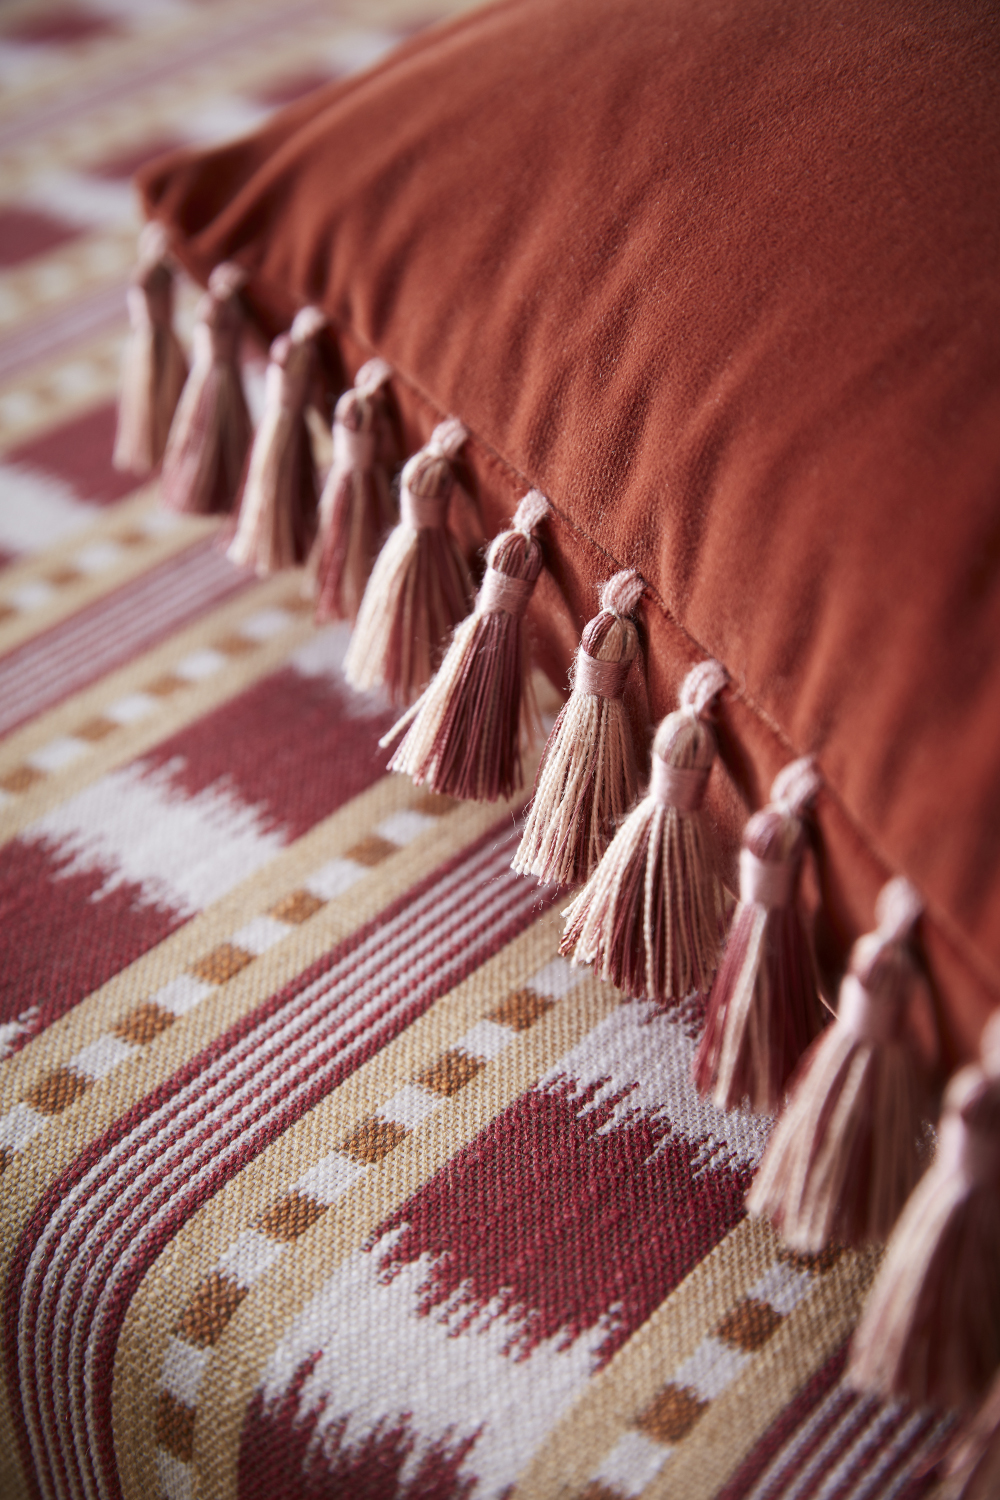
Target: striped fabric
x=321, y=1173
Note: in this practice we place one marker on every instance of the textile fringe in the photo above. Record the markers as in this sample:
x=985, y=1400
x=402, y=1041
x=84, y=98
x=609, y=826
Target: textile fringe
x=931, y=1328
x=764, y=1009
x=464, y=736
x=211, y=433
x=356, y=508
x=650, y=916
x=154, y=368
x=420, y=587
x=847, y=1150
x=587, y=778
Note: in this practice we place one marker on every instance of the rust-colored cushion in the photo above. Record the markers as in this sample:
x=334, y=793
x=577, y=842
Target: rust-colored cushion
x=720, y=277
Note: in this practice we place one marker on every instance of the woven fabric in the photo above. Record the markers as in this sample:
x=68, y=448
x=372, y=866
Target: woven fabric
x=322, y=1174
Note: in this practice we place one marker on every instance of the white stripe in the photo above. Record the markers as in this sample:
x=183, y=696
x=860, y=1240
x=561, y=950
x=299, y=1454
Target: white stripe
x=917, y=1457
x=769, y=1482
x=853, y=1414
x=873, y=1425
x=871, y=1479
x=213, y=1094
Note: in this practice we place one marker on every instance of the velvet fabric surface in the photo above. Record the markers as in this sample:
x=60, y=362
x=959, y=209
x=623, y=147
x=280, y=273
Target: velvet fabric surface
x=720, y=279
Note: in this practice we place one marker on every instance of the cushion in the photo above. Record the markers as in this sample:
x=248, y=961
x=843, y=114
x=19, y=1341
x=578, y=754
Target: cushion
x=721, y=282
x=722, y=286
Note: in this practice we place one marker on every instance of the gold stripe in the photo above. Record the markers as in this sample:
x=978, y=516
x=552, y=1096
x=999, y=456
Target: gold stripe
x=613, y=1399
x=740, y=1417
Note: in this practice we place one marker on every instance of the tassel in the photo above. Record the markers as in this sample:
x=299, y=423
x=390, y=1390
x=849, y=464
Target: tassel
x=650, y=916
x=465, y=733
x=277, y=519
x=931, y=1328
x=847, y=1150
x=764, y=1009
x=356, y=508
x=154, y=369
x=587, y=778
x=208, y=442
x=420, y=587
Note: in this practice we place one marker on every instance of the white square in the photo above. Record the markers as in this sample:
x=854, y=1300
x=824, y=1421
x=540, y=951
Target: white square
x=58, y=753
x=182, y=994
x=183, y=1368
x=783, y=1286
x=200, y=664
x=632, y=1463
x=260, y=934
x=266, y=624
x=334, y=878
x=98, y=557
x=161, y=522
x=409, y=1105
x=176, y=1478
x=403, y=827
x=31, y=595
x=556, y=979
x=132, y=707
x=485, y=1039
x=711, y=1368
x=250, y=1257
x=101, y=1056
x=330, y=1178
x=19, y=1125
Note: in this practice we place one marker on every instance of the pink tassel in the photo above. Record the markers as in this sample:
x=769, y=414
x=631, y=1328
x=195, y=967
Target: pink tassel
x=277, y=520
x=420, y=587
x=356, y=509
x=587, y=778
x=764, y=1009
x=847, y=1150
x=155, y=368
x=208, y=442
x=931, y=1329
x=650, y=916
x=465, y=733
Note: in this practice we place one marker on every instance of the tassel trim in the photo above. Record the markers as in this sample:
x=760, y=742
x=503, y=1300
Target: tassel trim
x=211, y=433
x=420, y=587
x=847, y=1149
x=764, y=1009
x=587, y=778
x=155, y=368
x=650, y=917
x=464, y=737
x=277, y=519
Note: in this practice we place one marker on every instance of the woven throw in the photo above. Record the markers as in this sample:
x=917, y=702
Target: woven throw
x=323, y=1175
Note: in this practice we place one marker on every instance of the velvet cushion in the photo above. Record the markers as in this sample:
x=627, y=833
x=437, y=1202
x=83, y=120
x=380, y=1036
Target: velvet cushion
x=719, y=276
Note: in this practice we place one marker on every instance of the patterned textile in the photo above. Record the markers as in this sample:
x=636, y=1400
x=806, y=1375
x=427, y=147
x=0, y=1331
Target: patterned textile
x=322, y=1174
